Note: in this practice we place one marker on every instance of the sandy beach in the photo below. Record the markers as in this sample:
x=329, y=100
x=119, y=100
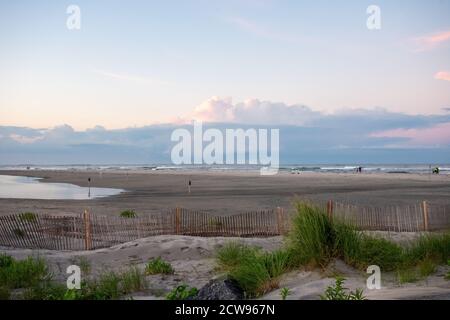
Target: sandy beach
x=226, y=193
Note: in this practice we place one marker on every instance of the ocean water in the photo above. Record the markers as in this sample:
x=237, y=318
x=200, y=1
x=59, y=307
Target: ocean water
x=293, y=168
x=30, y=188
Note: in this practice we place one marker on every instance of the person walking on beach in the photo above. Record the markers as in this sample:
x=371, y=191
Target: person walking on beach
x=189, y=186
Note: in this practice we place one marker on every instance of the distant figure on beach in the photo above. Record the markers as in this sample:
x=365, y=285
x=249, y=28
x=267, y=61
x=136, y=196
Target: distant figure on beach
x=189, y=186
x=358, y=169
x=89, y=185
x=436, y=170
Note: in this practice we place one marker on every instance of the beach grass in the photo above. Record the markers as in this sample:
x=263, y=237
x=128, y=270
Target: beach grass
x=158, y=266
x=22, y=273
x=339, y=292
x=34, y=281
x=128, y=214
x=315, y=240
x=257, y=272
x=182, y=292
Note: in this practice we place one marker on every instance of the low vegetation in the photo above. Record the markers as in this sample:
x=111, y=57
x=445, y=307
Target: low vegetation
x=339, y=292
x=447, y=276
x=182, y=292
x=284, y=293
x=158, y=266
x=33, y=281
x=22, y=273
x=257, y=272
x=28, y=217
x=315, y=240
x=333, y=239
x=128, y=214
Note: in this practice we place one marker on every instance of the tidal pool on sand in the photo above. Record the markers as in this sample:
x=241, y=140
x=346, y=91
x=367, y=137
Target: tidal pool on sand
x=30, y=188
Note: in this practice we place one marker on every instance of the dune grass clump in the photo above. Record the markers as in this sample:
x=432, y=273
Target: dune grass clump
x=434, y=247
x=232, y=255
x=33, y=277
x=113, y=285
x=312, y=237
x=360, y=250
x=256, y=271
x=447, y=276
x=22, y=273
x=45, y=290
x=5, y=293
x=182, y=292
x=315, y=239
x=128, y=214
x=28, y=217
x=158, y=266
x=339, y=292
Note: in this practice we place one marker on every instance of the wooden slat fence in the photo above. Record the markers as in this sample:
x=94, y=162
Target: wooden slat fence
x=409, y=218
x=88, y=231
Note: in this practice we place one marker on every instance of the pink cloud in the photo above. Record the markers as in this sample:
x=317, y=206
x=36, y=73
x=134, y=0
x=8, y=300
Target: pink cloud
x=432, y=136
x=442, y=75
x=432, y=40
x=252, y=111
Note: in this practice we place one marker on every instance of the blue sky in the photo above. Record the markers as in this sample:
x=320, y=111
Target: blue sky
x=141, y=63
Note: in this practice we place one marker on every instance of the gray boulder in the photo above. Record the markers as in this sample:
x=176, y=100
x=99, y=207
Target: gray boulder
x=220, y=289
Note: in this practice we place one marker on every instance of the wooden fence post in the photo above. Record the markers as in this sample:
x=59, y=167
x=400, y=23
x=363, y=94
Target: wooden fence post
x=330, y=209
x=177, y=220
x=425, y=215
x=87, y=230
x=280, y=220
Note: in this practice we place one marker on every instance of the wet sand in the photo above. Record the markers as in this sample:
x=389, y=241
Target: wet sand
x=230, y=192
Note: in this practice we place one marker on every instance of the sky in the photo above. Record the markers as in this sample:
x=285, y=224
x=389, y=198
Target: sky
x=311, y=67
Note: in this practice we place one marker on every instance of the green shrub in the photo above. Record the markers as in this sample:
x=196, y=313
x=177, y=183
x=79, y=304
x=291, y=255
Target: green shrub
x=339, y=292
x=277, y=262
x=407, y=274
x=107, y=287
x=232, y=254
x=158, y=266
x=28, y=217
x=22, y=273
x=315, y=239
x=133, y=280
x=447, y=276
x=426, y=268
x=253, y=277
x=128, y=214
x=182, y=292
x=5, y=293
x=312, y=236
x=255, y=271
x=45, y=290
x=32, y=275
x=434, y=246
x=5, y=261
x=284, y=293
x=377, y=251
